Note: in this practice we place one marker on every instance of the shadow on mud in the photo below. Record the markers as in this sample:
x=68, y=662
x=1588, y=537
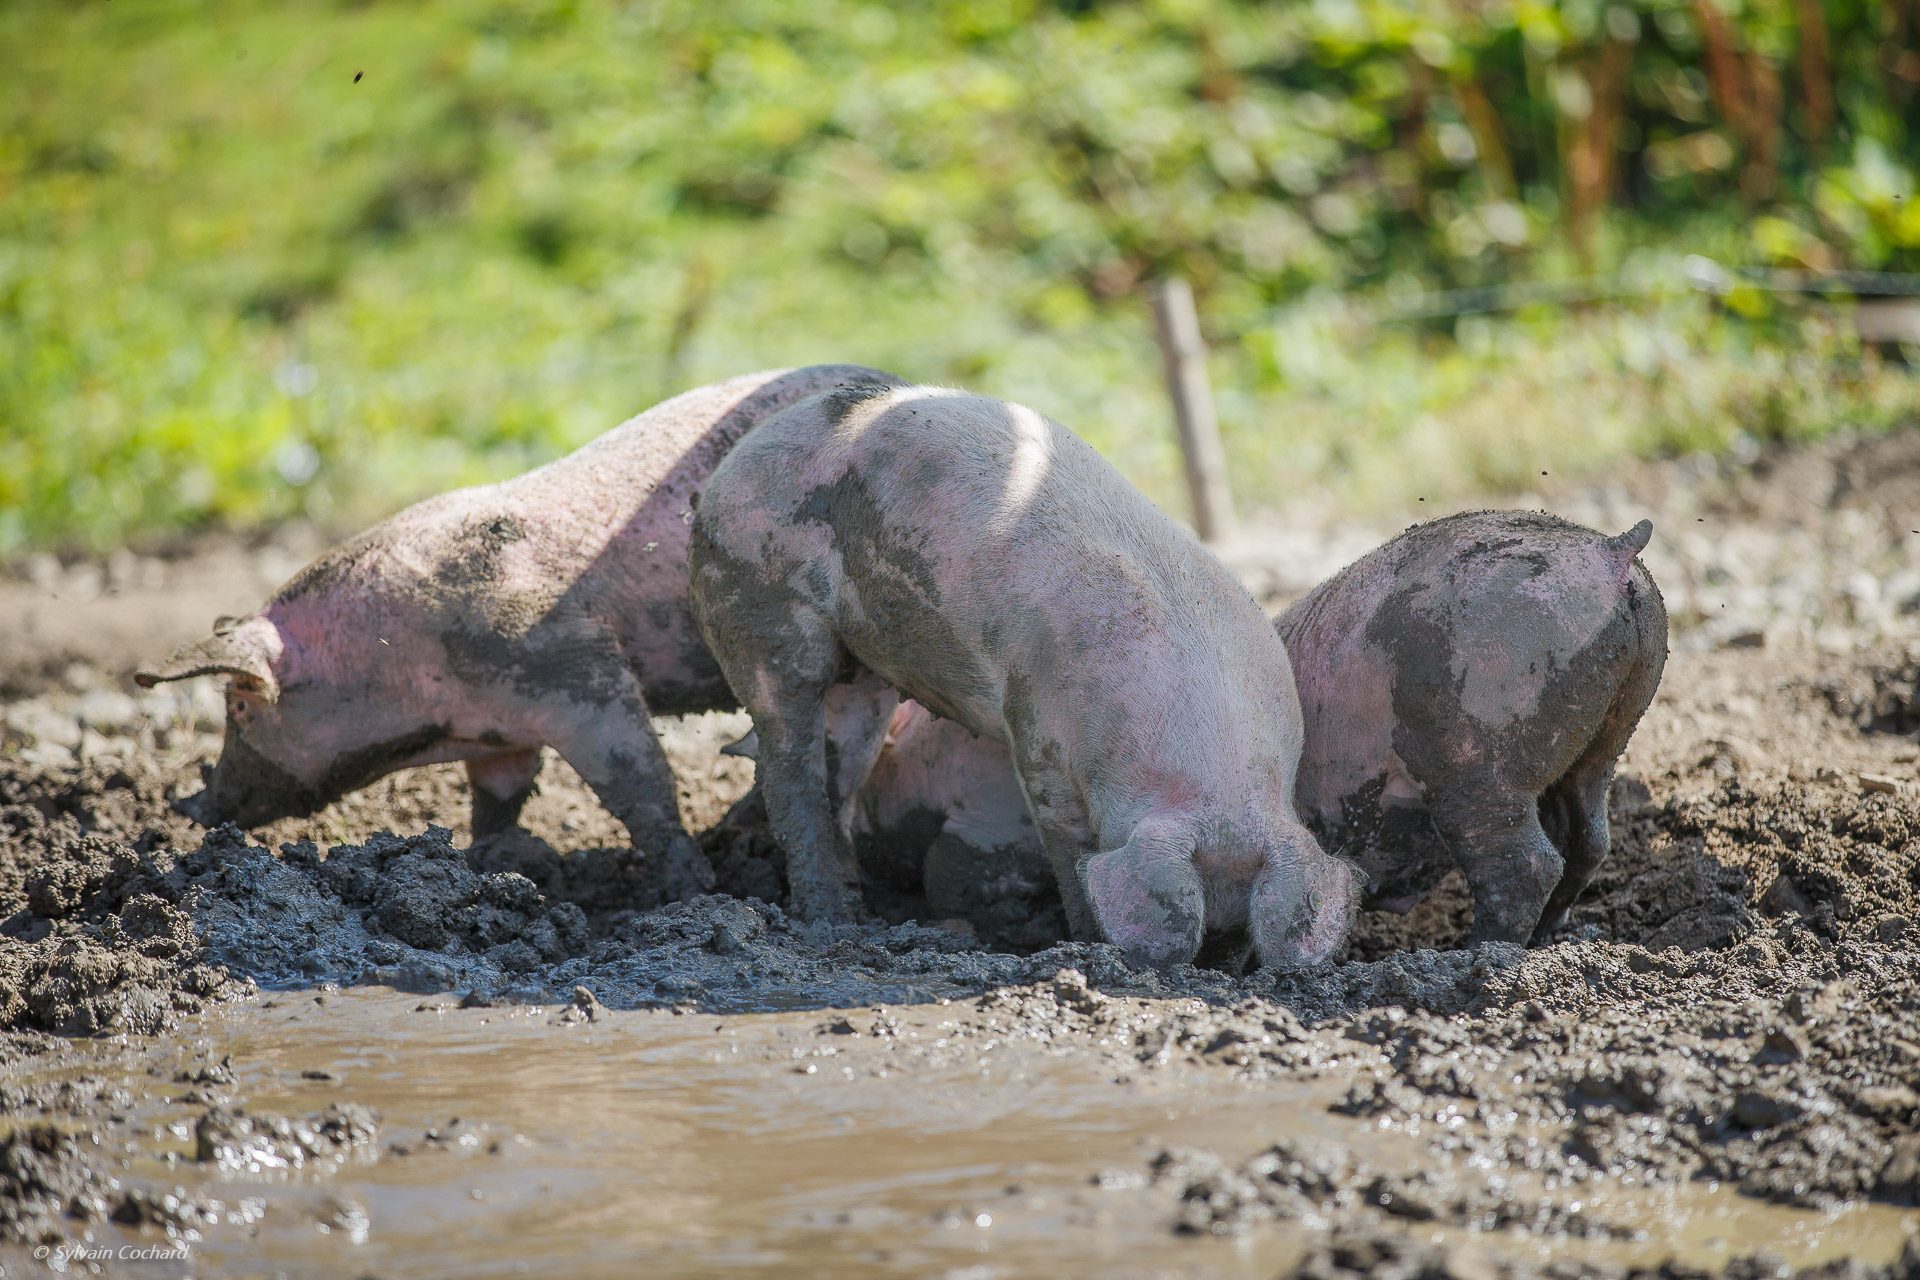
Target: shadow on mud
x=1879, y=699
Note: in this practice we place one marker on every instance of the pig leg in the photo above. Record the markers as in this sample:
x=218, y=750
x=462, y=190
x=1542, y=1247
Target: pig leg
x=1496, y=838
x=1065, y=836
x=781, y=657
x=1581, y=796
x=787, y=698
x=1147, y=897
x=1588, y=839
x=1066, y=850
x=857, y=714
x=612, y=746
x=823, y=883
x=500, y=785
x=1303, y=903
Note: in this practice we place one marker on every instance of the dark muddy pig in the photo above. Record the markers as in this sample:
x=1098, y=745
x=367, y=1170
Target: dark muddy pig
x=986, y=562
x=1466, y=687
x=550, y=609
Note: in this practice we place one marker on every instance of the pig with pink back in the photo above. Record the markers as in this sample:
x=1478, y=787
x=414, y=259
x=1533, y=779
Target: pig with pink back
x=986, y=562
x=550, y=609
x=1467, y=689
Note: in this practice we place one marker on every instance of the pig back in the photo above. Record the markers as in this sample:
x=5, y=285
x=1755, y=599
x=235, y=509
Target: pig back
x=615, y=518
x=1491, y=641
x=1000, y=571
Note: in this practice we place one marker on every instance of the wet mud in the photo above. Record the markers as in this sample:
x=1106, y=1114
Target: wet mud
x=343, y=1041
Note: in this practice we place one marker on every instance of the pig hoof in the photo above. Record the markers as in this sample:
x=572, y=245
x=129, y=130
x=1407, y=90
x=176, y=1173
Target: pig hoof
x=193, y=808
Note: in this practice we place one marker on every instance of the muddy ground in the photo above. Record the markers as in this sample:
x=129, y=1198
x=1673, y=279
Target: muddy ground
x=1727, y=1029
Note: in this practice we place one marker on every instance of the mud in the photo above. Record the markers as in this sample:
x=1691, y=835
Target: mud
x=1880, y=700
x=306, y=1045
x=1399, y=1258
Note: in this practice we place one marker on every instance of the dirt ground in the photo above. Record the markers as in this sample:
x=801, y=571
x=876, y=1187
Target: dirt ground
x=1732, y=1010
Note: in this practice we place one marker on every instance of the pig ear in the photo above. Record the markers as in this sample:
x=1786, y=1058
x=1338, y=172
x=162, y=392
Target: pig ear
x=236, y=647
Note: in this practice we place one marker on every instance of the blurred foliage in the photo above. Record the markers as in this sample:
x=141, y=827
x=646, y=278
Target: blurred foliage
x=313, y=258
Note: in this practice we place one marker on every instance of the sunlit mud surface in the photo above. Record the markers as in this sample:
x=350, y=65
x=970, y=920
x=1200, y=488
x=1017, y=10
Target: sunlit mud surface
x=713, y=1145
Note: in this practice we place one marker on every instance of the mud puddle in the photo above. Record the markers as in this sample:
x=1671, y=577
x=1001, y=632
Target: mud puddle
x=524, y=1139
x=710, y=1145
x=530, y=1139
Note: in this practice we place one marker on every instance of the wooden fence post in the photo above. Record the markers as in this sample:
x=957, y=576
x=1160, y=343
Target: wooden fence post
x=1183, y=355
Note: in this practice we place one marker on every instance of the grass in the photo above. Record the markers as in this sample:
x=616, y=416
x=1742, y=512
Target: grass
x=320, y=260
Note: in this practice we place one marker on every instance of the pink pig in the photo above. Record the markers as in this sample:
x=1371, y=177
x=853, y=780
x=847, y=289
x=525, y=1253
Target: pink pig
x=941, y=815
x=481, y=624
x=985, y=561
x=1466, y=688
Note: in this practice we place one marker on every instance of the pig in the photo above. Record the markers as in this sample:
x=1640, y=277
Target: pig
x=941, y=815
x=1467, y=689
x=984, y=561
x=939, y=819
x=483, y=624
x=1475, y=680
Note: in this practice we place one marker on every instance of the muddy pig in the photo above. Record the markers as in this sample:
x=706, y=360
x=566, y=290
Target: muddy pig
x=941, y=816
x=939, y=819
x=986, y=562
x=550, y=609
x=1467, y=688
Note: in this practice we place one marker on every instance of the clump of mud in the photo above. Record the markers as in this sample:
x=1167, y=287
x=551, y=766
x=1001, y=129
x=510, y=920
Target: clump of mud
x=1880, y=699
x=245, y=1142
x=46, y=1177
x=85, y=944
x=1382, y=1255
x=1296, y=1181
x=54, y=1181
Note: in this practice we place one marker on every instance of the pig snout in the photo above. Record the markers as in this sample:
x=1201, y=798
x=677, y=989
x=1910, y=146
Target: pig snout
x=247, y=789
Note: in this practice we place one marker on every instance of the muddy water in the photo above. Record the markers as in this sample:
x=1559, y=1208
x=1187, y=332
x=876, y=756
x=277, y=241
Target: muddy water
x=712, y=1144
x=530, y=1140
x=708, y=1145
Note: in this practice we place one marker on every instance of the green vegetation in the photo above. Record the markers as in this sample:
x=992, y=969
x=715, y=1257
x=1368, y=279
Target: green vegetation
x=310, y=258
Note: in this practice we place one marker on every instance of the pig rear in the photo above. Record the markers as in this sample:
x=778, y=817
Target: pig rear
x=1467, y=689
